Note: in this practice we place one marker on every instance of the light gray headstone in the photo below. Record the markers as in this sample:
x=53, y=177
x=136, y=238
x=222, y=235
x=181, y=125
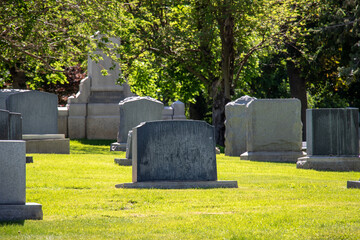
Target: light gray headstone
x=12, y=172
x=332, y=131
x=236, y=126
x=134, y=110
x=38, y=110
x=274, y=125
x=178, y=150
x=179, y=110
x=129, y=146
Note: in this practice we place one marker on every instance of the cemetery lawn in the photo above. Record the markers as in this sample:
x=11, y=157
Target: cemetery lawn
x=273, y=201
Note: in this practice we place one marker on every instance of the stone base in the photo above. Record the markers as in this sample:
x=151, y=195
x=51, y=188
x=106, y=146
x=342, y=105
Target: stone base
x=283, y=157
x=123, y=161
x=58, y=146
x=179, y=184
x=327, y=163
x=118, y=147
x=353, y=184
x=31, y=211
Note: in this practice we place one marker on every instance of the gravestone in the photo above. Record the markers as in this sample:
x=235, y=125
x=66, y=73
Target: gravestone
x=133, y=111
x=236, y=126
x=127, y=161
x=10, y=125
x=13, y=206
x=274, y=130
x=174, y=154
x=332, y=140
x=38, y=111
x=39, y=120
x=93, y=113
x=179, y=110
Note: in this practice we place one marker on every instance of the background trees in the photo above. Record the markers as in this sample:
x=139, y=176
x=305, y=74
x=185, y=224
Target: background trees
x=204, y=52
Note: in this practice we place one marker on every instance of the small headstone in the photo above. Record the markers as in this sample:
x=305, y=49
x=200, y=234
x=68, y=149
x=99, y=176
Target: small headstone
x=133, y=111
x=236, y=126
x=332, y=140
x=274, y=130
x=13, y=206
x=353, y=184
x=178, y=151
x=167, y=113
x=127, y=161
x=179, y=110
x=10, y=125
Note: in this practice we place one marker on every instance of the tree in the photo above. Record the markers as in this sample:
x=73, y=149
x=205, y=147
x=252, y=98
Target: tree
x=44, y=37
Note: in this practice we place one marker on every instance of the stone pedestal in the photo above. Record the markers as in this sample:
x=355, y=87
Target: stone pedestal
x=47, y=143
x=274, y=130
x=13, y=206
x=332, y=140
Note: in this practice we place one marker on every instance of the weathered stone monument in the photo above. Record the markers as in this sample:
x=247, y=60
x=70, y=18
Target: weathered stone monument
x=332, y=140
x=133, y=111
x=13, y=206
x=236, y=126
x=39, y=119
x=274, y=130
x=93, y=113
x=174, y=154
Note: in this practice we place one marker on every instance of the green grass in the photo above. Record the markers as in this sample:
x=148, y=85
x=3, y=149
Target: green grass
x=273, y=201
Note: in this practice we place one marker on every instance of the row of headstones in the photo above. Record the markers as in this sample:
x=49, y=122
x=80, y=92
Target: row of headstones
x=19, y=114
x=271, y=130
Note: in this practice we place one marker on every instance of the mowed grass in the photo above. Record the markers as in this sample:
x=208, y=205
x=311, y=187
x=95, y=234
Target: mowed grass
x=273, y=201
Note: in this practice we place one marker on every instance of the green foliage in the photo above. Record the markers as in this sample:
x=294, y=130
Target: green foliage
x=273, y=201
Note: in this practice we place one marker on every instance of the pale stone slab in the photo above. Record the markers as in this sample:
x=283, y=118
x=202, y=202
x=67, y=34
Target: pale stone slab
x=179, y=184
x=58, y=146
x=284, y=157
x=327, y=163
x=179, y=110
x=236, y=126
x=42, y=136
x=102, y=127
x=123, y=161
x=12, y=172
x=28, y=211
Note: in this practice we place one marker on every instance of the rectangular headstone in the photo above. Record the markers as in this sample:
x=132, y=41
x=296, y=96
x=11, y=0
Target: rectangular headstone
x=10, y=125
x=180, y=150
x=4, y=124
x=12, y=172
x=332, y=131
x=38, y=110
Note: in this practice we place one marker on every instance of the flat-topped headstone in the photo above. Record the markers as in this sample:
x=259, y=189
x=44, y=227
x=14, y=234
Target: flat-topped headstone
x=332, y=140
x=274, y=130
x=167, y=154
x=10, y=125
x=38, y=110
x=13, y=206
x=236, y=126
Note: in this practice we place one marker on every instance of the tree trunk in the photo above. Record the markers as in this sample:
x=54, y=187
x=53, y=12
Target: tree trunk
x=218, y=116
x=18, y=79
x=298, y=90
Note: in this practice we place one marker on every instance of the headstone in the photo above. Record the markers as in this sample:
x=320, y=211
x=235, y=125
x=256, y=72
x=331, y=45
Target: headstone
x=236, y=126
x=332, y=140
x=38, y=111
x=127, y=161
x=274, y=130
x=10, y=125
x=174, y=154
x=13, y=206
x=133, y=111
x=167, y=113
x=179, y=110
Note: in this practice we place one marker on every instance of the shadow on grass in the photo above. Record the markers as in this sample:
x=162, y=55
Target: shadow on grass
x=95, y=142
x=8, y=223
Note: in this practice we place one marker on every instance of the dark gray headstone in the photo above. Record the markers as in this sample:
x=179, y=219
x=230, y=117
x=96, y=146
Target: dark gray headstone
x=38, y=109
x=332, y=131
x=10, y=125
x=180, y=150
